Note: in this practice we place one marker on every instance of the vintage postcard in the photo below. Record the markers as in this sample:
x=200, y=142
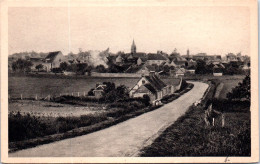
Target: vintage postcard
x=156, y=81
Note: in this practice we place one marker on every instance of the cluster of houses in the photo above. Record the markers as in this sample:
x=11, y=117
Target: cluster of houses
x=143, y=63
x=150, y=85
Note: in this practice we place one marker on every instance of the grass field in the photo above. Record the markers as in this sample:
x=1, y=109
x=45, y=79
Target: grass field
x=228, y=85
x=52, y=109
x=42, y=86
x=188, y=136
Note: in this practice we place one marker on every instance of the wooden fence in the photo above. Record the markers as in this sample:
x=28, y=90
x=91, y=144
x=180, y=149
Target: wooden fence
x=46, y=96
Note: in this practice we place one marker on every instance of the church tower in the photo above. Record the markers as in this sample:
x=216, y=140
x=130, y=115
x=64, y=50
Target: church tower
x=133, y=48
x=188, y=53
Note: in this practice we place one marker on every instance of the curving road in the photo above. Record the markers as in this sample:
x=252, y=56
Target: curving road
x=123, y=139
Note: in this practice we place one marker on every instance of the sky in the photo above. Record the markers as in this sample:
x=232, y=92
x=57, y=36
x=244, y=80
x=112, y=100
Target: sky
x=212, y=30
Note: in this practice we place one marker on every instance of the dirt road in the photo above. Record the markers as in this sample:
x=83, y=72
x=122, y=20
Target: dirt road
x=123, y=139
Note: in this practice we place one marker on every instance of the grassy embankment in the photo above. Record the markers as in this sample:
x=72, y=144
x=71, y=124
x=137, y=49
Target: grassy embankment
x=189, y=136
x=29, y=131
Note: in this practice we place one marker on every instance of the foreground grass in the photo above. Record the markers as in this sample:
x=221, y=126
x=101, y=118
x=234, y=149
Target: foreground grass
x=188, y=136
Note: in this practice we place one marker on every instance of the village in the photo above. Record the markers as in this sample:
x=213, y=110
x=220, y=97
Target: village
x=132, y=64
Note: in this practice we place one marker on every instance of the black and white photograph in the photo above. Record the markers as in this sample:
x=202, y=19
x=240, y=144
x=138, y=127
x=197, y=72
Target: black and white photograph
x=129, y=79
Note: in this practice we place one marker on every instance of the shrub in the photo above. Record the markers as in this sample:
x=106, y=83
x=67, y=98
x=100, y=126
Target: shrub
x=24, y=127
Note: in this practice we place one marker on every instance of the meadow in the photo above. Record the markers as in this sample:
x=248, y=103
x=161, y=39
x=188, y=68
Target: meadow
x=228, y=85
x=44, y=86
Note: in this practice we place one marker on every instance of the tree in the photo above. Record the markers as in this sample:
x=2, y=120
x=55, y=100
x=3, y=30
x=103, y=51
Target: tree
x=109, y=87
x=22, y=65
x=39, y=66
x=112, y=95
x=146, y=99
x=242, y=91
x=63, y=66
x=81, y=68
x=201, y=67
x=91, y=93
x=100, y=68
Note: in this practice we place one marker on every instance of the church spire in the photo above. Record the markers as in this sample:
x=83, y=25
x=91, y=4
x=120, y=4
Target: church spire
x=133, y=47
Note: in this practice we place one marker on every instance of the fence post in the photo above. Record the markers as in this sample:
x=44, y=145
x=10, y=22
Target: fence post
x=21, y=96
x=78, y=94
x=84, y=94
x=36, y=97
x=223, y=120
x=72, y=94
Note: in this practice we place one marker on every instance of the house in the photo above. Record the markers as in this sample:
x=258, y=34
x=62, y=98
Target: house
x=53, y=60
x=231, y=57
x=136, y=58
x=156, y=59
x=171, y=64
x=99, y=90
x=217, y=72
x=152, y=86
x=140, y=61
x=245, y=66
x=142, y=69
x=180, y=61
x=191, y=70
x=180, y=72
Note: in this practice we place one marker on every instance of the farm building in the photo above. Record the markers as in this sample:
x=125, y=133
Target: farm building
x=154, y=87
x=99, y=90
x=53, y=60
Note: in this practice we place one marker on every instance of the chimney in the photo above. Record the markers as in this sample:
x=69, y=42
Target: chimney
x=152, y=73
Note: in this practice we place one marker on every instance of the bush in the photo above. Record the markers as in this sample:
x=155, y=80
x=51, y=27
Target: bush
x=24, y=127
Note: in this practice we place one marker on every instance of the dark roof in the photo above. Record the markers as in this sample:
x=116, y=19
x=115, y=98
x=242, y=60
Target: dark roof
x=140, y=55
x=156, y=57
x=142, y=89
x=150, y=67
x=51, y=56
x=156, y=82
x=150, y=88
x=134, y=68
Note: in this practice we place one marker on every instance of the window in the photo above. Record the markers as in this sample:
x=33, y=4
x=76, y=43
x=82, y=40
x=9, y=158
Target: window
x=143, y=82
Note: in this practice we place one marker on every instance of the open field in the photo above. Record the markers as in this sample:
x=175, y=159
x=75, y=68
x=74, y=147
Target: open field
x=228, y=85
x=43, y=86
x=51, y=109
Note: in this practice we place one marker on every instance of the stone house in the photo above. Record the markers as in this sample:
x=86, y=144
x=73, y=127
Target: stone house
x=154, y=87
x=53, y=60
